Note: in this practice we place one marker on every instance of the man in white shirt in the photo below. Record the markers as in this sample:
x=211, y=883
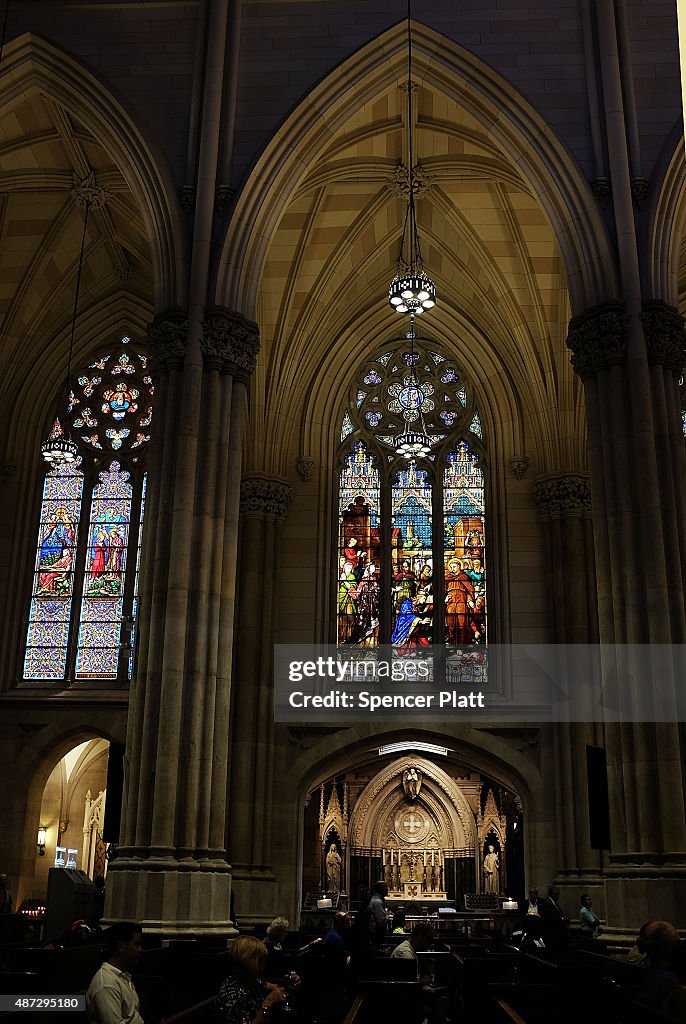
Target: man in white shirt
x=434, y=1003
x=111, y=997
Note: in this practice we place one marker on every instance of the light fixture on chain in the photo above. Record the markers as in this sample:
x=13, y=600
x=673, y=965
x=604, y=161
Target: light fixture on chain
x=411, y=290
x=58, y=449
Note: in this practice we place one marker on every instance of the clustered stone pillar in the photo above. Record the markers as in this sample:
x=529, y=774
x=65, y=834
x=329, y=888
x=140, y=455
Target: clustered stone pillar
x=264, y=506
x=564, y=502
x=636, y=458
x=171, y=872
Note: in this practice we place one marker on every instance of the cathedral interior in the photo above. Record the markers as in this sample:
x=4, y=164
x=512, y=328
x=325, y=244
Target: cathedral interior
x=201, y=208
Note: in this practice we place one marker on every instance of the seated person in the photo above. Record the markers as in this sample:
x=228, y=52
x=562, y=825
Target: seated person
x=243, y=998
x=359, y=941
x=659, y=942
x=435, y=1005
x=341, y=923
x=398, y=925
x=589, y=924
x=111, y=997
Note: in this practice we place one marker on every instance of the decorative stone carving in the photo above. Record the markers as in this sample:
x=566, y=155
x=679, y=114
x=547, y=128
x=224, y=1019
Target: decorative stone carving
x=400, y=186
x=7, y=470
x=564, y=494
x=304, y=465
x=87, y=192
x=639, y=191
x=492, y=831
x=168, y=338
x=412, y=782
x=223, y=197
x=187, y=197
x=262, y=497
x=230, y=342
x=602, y=190
x=519, y=466
x=597, y=338
x=665, y=334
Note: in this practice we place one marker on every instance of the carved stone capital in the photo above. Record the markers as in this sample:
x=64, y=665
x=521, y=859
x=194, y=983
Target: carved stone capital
x=304, y=466
x=187, y=197
x=561, y=495
x=230, y=342
x=597, y=338
x=602, y=190
x=87, y=192
x=519, y=466
x=639, y=191
x=7, y=470
x=665, y=335
x=168, y=338
x=263, y=496
x=223, y=197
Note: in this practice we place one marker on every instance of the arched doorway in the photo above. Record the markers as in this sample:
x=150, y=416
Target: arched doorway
x=72, y=812
x=420, y=821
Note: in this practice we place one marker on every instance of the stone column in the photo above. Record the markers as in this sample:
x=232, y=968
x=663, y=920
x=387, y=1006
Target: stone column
x=171, y=872
x=264, y=506
x=564, y=502
x=636, y=461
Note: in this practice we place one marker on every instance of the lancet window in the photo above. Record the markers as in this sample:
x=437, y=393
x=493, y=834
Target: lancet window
x=411, y=555
x=84, y=591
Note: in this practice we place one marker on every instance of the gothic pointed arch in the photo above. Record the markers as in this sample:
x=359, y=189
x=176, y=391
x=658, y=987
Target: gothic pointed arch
x=528, y=143
x=32, y=64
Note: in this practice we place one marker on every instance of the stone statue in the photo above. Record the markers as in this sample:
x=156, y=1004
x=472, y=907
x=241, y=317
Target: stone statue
x=412, y=782
x=333, y=869
x=491, y=871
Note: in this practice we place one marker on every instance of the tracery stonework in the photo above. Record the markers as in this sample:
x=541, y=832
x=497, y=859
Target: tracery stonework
x=665, y=334
x=262, y=496
x=562, y=495
x=168, y=339
x=598, y=338
x=230, y=342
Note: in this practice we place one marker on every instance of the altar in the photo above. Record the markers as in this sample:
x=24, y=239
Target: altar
x=414, y=874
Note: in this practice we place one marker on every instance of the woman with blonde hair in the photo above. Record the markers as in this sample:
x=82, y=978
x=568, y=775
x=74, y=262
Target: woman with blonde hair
x=243, y=998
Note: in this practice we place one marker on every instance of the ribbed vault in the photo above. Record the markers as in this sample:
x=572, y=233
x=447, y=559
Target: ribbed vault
x=488, y=240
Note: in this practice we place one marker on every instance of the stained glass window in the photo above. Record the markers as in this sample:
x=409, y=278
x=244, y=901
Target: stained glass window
x=358, y=590
x=412, y=557
x=464, y=548
x=399, y=519
x=84, y=598
x=53, y=578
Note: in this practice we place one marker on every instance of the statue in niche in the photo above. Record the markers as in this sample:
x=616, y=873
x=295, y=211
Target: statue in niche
x=333, y=869
x=412, y=782
x=404, y=869
x=491, y=871
x=419, y=868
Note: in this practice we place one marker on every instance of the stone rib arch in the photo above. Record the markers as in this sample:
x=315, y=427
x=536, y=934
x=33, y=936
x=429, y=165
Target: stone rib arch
x=364, y=821
x=662, y=256
x=32, y=63
x=520, y=131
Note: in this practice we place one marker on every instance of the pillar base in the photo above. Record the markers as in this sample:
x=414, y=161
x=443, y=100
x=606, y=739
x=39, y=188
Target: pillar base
x=636, y=893
x=256, y=895
x=171, y=898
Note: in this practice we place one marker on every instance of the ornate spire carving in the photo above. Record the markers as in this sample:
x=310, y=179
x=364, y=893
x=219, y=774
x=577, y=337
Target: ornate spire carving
x=597, y=338
x=230, y=342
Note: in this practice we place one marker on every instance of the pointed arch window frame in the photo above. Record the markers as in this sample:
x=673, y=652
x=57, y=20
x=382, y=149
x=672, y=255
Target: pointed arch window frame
x=351, y=428
x=91, y=464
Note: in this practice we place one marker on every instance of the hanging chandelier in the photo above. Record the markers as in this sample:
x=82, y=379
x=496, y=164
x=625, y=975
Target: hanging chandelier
x=413, y=443
x=411, y=290
x=59, y=450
